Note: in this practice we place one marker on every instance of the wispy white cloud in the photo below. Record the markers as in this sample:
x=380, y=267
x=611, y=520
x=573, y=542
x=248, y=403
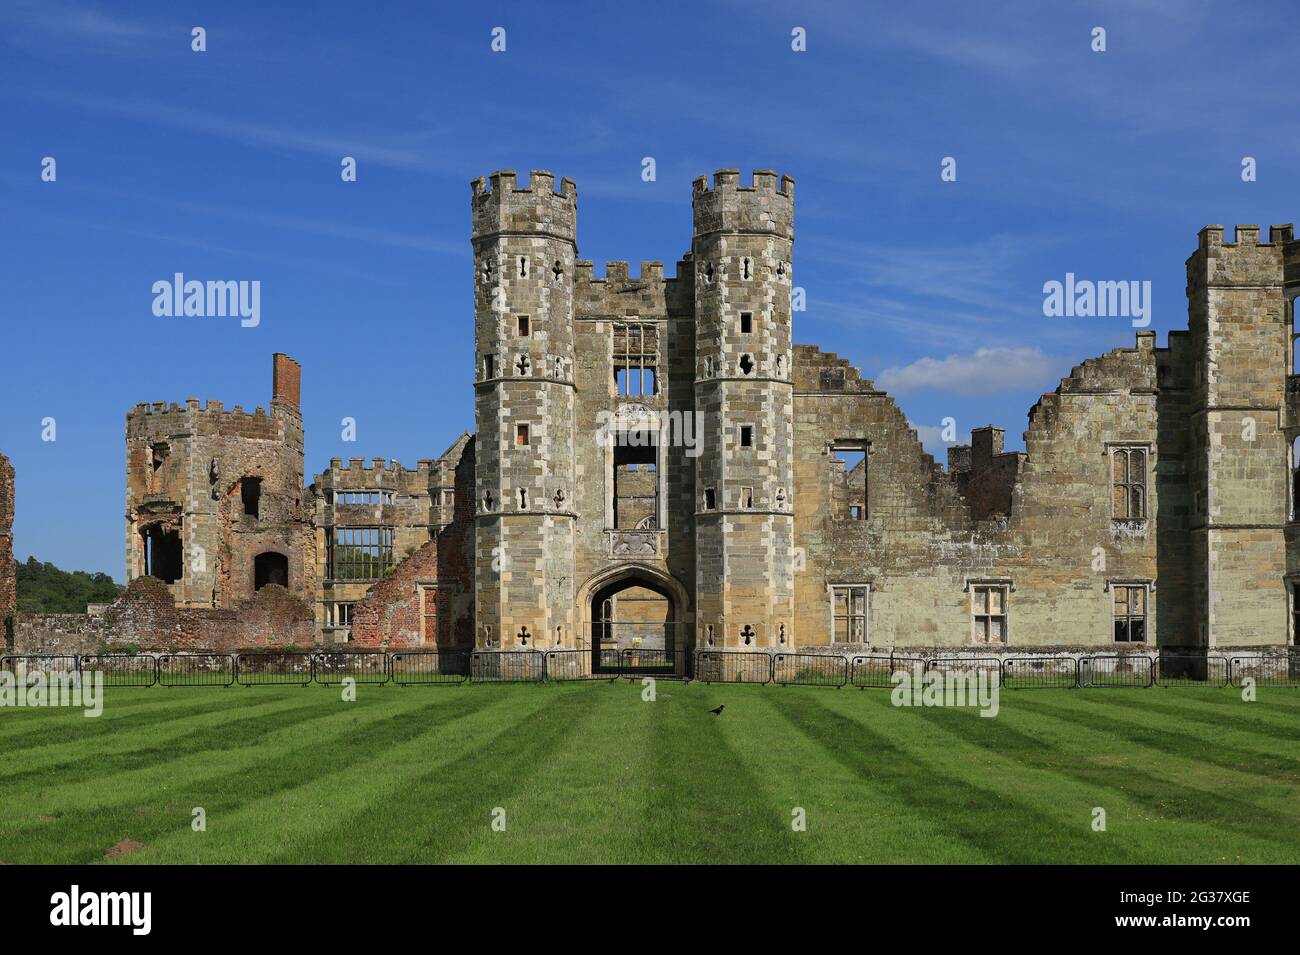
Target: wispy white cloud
x=985, y=372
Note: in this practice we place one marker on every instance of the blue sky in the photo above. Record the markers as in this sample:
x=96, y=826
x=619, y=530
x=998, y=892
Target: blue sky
x=225, y=165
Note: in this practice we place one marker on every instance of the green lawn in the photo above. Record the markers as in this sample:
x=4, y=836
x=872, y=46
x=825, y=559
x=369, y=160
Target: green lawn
x=590, y=773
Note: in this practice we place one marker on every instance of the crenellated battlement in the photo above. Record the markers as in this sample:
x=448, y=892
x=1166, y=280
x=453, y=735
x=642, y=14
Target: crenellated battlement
x=765, y=207
x=1247, y=261
x=618, y=272
x=160, y=417
x=501, y=206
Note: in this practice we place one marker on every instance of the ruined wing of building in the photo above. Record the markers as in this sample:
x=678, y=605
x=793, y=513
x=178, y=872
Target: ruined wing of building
x=655, y=464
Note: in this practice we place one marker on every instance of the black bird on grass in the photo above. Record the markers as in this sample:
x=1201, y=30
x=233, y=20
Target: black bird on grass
x=718, y=711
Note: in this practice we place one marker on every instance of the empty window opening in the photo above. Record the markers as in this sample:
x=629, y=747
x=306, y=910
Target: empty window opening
x=522, y=322
x=1129, y=483
x=487, y=500
x=163, y=557
x=850, y=479
x=1130, y=613
x=521, y=435
x=635, y=358
x=710, y=499
x=746, y=364
x=989, y=614
x=747, y=497
x=487, y=270
x=360, y=553
x=270, y=568
x=708, y=273
x=746, y=435
x=849, y=614
x=746, y=323
x=489, y=366
x=557, y=270
x=158, y=454
x=363, y=497
x=636, y=481
x=250, y=491
x=339, y=614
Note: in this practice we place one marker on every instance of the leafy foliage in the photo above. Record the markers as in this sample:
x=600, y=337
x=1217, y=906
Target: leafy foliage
x=44, y=588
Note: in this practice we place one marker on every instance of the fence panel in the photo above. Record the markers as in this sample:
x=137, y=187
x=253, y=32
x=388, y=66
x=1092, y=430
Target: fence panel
x=123, y=669
x=809, y=669
x=429, y=667
x=276, y=667
x=1117, y=670
x=875, y=670
x=1191, y=669
x=565, y=665
x=1022, y=673
x=962, y=664
x=331, y=667
x=20, y=664
x=661, y=664
x=196, y=669
x=1267, y=670
x=507, y=666
x=733, y=666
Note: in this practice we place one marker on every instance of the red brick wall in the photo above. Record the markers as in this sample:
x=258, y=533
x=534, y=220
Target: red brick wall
x=389, y=614
x=8, y=582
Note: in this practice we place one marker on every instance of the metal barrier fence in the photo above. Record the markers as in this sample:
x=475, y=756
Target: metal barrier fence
x=332, y=667
x=964, y=665
x=196, y=669
x=726, y=666
x=429, y=667
x=1127, y=669
x=809, y=669
x=1171, y=668
x=1266, y=670
x=507, y=666
x=871, y=670
x=1021, y=673
x=564, y=665
x=25, y=665
x=1191, y=669
x=122, y=669
x=277, y=667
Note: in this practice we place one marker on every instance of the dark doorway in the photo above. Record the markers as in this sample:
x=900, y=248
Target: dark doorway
x=162, y=553
x=633, y=626
x=270, y=568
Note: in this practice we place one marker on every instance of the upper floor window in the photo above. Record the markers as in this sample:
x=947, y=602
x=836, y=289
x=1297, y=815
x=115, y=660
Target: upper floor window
x=989, y=613
x=360, y=553
x=1128, y=470
x=1130, y=612
x=849, y=614
x=363, y=497
x=850, y=479
x=635, y=358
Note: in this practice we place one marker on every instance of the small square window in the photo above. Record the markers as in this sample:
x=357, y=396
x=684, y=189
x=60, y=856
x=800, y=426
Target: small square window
x=746, y=323
x=523, y=326
x=521, y=435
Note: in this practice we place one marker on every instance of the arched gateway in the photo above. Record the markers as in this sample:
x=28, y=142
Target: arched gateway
x=635, y=617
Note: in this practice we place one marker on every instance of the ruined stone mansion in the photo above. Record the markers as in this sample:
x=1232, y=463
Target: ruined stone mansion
x=656, y=463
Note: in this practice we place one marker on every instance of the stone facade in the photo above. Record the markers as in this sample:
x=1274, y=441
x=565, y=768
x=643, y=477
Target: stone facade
x=8, y=571
x=656, y=464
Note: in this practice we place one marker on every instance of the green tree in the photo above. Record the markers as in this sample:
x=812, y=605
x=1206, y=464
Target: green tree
x=43, y=588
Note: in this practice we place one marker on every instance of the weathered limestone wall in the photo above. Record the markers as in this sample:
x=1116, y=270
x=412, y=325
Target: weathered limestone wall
x=8, y=570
